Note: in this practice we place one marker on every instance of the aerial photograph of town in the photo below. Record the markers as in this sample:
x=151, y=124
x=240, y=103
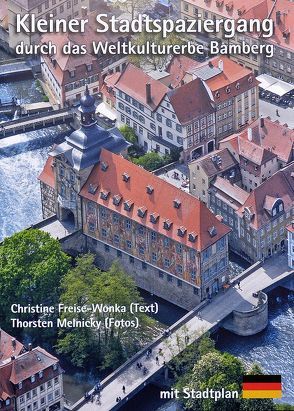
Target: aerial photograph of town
x=146, y=205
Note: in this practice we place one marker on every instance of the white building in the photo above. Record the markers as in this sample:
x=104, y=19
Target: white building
x=165, y=118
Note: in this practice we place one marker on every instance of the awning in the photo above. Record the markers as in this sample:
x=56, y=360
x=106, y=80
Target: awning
x=280, y=88
x=266, y=81
x=106, y=111
x=274, y=85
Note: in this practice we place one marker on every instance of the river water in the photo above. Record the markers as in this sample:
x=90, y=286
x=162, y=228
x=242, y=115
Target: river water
x=22, y=158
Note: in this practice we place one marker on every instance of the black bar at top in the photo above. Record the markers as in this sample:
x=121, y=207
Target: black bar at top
x=262, y=378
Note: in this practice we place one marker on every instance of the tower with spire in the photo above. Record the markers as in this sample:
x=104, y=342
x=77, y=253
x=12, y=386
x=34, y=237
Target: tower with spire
x=73, y=160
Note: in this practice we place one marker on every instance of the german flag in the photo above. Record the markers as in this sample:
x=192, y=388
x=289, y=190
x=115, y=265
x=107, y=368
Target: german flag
x=262, y=386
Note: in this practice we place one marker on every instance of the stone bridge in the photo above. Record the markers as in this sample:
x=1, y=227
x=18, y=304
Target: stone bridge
x=241, y=309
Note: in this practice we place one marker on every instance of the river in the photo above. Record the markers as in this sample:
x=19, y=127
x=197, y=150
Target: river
x=21, y=160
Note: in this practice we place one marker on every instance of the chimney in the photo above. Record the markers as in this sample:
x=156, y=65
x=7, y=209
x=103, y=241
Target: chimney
x=13, y=343
x=30, y=347
x=12, y=357
x=221, y=65
x=261, y=122
x=148, y=93
x=84, y=11
x=249, y=133
x=278, y=17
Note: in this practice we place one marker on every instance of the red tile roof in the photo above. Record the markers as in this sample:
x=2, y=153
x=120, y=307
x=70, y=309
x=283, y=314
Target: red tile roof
x=234, y=77
x=280, y=185
x=192, y=214
x=290, y=227
x=9, y=346
x=231, y=75
x=178, y=67
x=256, y=154
x=211, y=168
x=133, y=82
x=22, y=367
x=47, y=175
x=30, y=363
x=273, y=136
x=256, y=9
x=240, y=145
x=191, y=101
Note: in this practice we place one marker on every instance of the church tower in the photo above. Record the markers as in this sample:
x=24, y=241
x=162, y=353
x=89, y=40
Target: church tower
x=74, y=159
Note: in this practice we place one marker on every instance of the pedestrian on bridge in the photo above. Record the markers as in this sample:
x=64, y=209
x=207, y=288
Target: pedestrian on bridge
x=157, y=360
x=123, y=389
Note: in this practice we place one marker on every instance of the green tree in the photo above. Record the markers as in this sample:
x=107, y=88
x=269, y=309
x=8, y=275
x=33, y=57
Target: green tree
x=152, y=60
x=150, y=161
x=129, y=134
x=32, y=265
x=133, y=7
x=215, y=371
x=86, y=285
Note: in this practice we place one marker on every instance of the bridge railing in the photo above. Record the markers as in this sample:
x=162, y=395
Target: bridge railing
x=111, y=377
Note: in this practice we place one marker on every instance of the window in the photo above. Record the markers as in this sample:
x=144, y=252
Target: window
x=33, y=378
x=159, y=117
x=141, y=249
x=160, y=274
x=131, y=259
x=129, y=244
x=154, y=257
x=169, y=135
x=115, y=218
x=34, y=392
x=179, y=128
x=153, y=236
x=144, y=265
x=179, y=248
x=180, y=283
x=166, y=263
x=106, y=248
x=193, y=274
x=169, y=278
x=42, y=387
x=116, y=239
x=128, y=224
x=50, y=397
x=166, y=242
x=168, y=122
x=141, y=230
x=179, y=269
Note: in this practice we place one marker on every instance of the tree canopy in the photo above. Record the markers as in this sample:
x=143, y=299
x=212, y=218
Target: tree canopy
x=32, y=265
x=155, y=61
x=129, y=134
x=201, y=366
x=106, y=347
x=150, y=161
